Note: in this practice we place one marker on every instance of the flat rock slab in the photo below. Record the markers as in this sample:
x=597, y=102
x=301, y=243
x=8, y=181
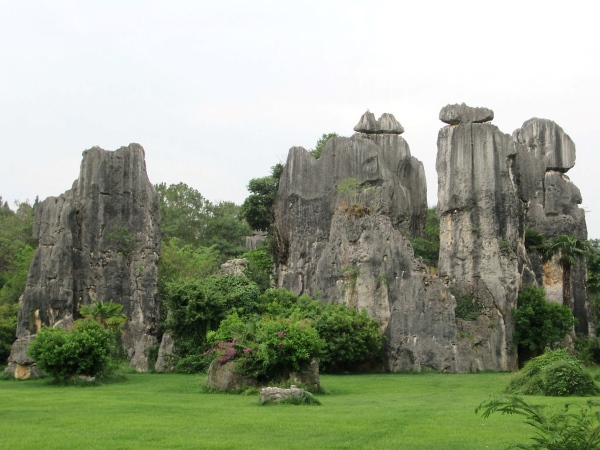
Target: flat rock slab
x=456, y=114
x=277, y=395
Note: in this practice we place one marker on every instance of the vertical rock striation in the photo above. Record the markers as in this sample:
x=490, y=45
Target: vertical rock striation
x=553, y=208
x=99, y=240
x=481, y=227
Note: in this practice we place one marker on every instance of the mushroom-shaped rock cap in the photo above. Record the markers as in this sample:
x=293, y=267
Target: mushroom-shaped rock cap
x=455, y=114
x=387, y=123
x=367, y=123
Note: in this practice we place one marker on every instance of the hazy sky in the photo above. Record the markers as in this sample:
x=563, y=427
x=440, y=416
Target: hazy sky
x=218, y=91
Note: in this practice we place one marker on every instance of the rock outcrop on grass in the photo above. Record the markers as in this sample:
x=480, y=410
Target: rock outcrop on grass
x=100, y=240
x=344, y=222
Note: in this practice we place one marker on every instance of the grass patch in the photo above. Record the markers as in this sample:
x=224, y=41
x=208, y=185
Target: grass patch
x=408, y=411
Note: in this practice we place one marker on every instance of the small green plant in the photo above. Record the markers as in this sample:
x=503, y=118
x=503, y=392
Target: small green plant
x=85, y=350
x=108, y=314
x=354, y=198
x=382, y=280
x=506, y=246
x=351, y=274
x=569, y=428
x=468, y=307
x=320, y=145
x=122, y=238
x=555, y=373
x=535, y=241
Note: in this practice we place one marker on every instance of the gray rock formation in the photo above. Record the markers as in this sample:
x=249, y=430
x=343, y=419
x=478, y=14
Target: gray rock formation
x=349, y=241
x=386, y=124
x=455, y=114
x=481, y=228
x=278, y=395
x=553, y=208
x=99, y=240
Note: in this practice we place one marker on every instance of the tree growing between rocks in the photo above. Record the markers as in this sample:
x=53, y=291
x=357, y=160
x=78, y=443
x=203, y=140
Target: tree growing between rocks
x=570, y=250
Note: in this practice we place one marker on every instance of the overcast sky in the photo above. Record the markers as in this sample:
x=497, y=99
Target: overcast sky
x=218, y=91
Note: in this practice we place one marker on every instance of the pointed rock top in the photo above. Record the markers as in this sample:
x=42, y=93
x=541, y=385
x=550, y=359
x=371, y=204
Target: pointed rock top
x=455, y=114
x=387, y=124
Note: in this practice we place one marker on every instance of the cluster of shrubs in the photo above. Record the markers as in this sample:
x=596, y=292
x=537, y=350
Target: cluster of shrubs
x=269, y=332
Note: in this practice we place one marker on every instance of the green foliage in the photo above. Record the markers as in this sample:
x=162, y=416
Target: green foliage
x=197, y=306
x=428, y=247
x=257, y=209
x=468, y=307
x=569, y=249
x=352, y=339
x=260, y=267
x=281, y=346
x=535, y=241
x=108, y=314
x=193, y=220
x=506, y=246
x=122, y=239
x=17, y=247
x=84, y=350
x=587, y=349
x=539, y=323
x=593, y=281
x=555, y=373
x=184, y=261
x=320, y=145
x=560, y=429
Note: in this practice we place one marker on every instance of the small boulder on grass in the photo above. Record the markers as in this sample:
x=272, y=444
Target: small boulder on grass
x=555, y=373
x=293, y=395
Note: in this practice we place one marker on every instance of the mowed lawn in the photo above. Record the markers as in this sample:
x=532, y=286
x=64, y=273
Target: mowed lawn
x=396, y=411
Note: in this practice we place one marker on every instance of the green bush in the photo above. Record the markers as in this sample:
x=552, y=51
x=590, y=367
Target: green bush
x=352, y=339
x=555, y=373
x=84, y=350
x=540, y=323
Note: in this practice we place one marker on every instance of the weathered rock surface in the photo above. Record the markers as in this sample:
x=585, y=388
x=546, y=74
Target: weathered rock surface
x=223, y=377
x=386, y=124
x=277, y=395
x=455, y=114
x=481, y=227
x=99, y=240
x=354, y=248
x=234, y=267
x=553, y=208
x=545, y=140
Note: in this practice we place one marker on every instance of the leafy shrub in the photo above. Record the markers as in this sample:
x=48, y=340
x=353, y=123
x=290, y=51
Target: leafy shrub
x=260, y=267
x=539, y=323
x=555, y=373
x=428, y=247
x=352, y=339
x=468, y=307
x=281, y=346
x=84, y=350
x=587, y=349
x=535, y=241
x=558, y=430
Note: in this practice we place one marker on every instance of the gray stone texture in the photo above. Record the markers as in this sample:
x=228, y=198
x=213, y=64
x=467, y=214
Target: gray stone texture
x=481, y=226
x=99, y=240
x=386, y=124
x=553, y=207
x=367, y=261
x=455, y=114
x=277, y=395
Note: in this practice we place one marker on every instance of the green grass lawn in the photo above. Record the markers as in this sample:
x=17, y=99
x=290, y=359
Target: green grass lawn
x=399, y=411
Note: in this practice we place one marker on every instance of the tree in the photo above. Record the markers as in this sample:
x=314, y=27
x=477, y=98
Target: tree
x=108, y=314
x=428, y=247
x=257, y=209
x=184, y=213
x=570, y=249
x=320, y=145
x=539, y=323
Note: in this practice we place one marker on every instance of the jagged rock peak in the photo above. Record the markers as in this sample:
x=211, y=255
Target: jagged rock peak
x=455, y=114
x=386, y=124
x=546, y=140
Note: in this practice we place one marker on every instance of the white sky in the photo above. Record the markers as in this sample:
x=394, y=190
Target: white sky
x=218, y=91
